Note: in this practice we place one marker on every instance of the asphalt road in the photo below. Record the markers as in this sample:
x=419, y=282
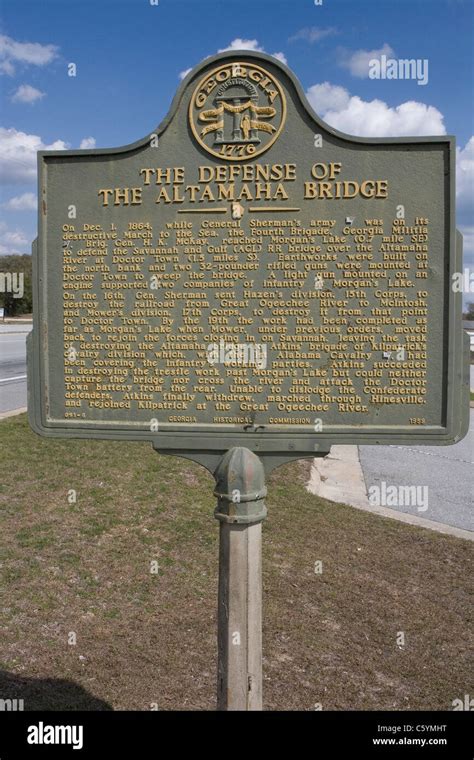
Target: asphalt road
x=446, y=471
x=13, y=366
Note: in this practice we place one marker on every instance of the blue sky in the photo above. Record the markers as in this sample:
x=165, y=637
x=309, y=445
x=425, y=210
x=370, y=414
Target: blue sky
x=129, y=56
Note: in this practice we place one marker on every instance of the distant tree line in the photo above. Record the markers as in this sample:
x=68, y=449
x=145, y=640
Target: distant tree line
x=15, y=278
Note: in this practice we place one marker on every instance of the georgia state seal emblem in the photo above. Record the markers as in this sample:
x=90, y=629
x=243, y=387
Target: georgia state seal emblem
x=237, y=111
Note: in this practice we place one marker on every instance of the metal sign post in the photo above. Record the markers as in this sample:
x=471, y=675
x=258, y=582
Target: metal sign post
x=240, y=491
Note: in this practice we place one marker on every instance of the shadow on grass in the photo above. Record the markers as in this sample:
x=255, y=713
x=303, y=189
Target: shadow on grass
x=47, y=694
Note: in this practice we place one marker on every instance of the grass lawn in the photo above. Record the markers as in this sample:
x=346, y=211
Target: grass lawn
x=82, y=570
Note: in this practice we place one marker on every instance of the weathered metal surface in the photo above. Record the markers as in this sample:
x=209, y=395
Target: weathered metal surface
x=240, y=489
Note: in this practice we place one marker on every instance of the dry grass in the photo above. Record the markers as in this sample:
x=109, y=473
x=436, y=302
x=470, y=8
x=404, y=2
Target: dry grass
x=143, y=638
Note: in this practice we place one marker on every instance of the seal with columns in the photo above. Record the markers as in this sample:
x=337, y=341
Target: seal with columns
x=237, y=111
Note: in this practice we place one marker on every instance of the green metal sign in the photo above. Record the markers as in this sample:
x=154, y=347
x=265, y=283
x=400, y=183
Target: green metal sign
x=248, y=276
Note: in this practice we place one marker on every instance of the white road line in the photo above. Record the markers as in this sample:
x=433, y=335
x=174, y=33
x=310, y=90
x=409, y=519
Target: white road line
x=430, y=454
x=9, y=379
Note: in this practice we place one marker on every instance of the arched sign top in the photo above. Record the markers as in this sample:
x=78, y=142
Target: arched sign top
x=284, y=75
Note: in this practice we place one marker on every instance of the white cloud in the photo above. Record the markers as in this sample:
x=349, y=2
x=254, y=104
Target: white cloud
x=18, y=154
x=12, y=241
x=313, y=33
x=358, y=62
x=33, y=53
x=373, y=118
x=87, y=142
x=27, y=94
x=241, y=44
x=327, y=97
x=280, y=57
x=24, y=202
x=6, y=67
x=465, y=177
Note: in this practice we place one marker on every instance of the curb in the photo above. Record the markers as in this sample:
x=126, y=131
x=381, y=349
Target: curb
x=339, y=477
x=13, y=412
x=420, y=522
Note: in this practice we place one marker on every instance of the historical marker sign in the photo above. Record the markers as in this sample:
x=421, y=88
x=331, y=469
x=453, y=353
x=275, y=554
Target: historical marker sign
x=248, y=276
